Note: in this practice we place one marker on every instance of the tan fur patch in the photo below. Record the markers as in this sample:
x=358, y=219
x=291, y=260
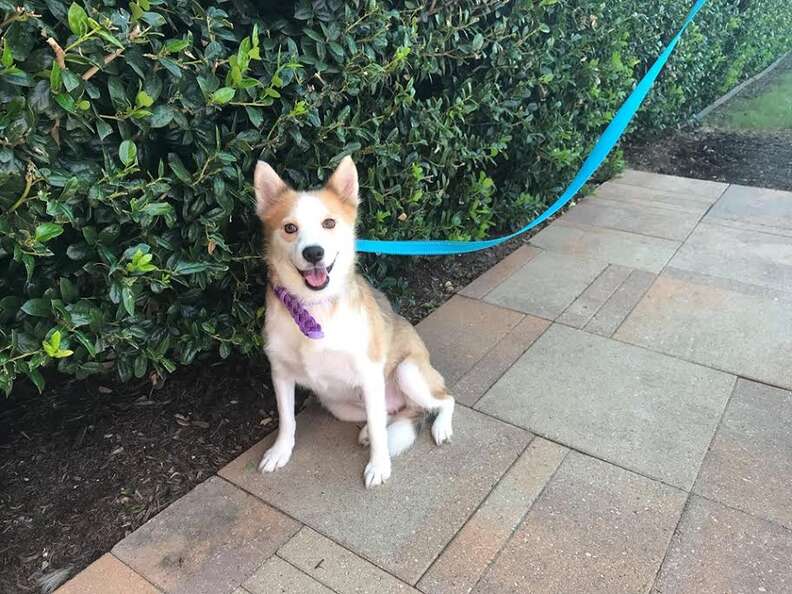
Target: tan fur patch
x=344, y=209
x=281, y=207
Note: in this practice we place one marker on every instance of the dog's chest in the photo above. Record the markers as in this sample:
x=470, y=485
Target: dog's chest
x=328, y=365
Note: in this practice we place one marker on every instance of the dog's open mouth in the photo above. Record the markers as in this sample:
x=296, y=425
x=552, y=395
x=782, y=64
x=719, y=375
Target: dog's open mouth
x=318, y=277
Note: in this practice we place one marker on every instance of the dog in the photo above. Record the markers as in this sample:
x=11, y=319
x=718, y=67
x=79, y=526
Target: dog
x=327, y=329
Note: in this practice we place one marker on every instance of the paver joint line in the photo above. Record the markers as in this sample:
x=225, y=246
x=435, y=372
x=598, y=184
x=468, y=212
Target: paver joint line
x=473, y=513
x=690, y=492
x=522, y=519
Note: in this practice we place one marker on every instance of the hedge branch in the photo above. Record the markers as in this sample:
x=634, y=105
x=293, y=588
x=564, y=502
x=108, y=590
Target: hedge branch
x=60, y=55
x=29, y=178
x=111, y=56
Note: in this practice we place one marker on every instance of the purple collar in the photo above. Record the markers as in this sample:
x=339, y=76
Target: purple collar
x=301, y=316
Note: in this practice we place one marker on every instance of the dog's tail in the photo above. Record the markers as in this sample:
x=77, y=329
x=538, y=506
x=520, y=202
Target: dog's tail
x=403, y=429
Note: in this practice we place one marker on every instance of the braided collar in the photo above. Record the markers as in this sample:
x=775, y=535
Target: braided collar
x=301, y=316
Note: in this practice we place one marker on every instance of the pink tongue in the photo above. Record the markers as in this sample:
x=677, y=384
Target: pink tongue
x=316, y=277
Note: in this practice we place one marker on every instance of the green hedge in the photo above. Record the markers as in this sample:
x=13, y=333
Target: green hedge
x=128, y=133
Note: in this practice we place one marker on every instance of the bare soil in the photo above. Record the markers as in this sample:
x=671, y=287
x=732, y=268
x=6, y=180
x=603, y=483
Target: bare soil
x=759, y=158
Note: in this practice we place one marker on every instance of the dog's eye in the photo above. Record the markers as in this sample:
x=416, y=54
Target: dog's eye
x=290, y=228
x=328, y=223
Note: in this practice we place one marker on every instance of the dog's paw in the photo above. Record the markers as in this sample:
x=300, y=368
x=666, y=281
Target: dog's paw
x=275, y=457
x=363, y=437
x=442, y=429
x=377, y=472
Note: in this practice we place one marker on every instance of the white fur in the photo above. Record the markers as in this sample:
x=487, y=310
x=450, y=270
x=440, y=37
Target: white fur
x=414, y=386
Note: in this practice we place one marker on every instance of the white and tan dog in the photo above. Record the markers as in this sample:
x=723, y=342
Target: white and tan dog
x=327, y=329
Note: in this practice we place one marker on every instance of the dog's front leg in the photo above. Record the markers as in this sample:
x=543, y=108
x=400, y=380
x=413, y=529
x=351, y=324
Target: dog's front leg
x=378, y=469
x=280, y=452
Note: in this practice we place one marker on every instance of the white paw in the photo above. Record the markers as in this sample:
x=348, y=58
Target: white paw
x=441, y=429
x=275, y=457
x=363, y=436
x=377, y=472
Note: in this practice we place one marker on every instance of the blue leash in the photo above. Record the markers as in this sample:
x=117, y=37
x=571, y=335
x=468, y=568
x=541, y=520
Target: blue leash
x=598, y=154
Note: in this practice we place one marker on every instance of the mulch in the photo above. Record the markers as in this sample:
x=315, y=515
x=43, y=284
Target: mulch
x=761, y=159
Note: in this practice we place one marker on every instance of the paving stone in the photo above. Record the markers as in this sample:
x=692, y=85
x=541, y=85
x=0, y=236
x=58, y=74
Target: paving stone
x=644, y=219
x=672, y=183
x=607, y=245
x=744, y=226
x=755, y=206
x=637, y=196
x=209, y=541
x=466, y=558
x=107, y=575
x=636, y=408
x=717, y=549
x=594, y=297
x=278, y=576
x=745, y=256
x=596, y=528
x=610, y=316
x=403, y=525
x=739, y=328
x=500, y=272
x=546, y=285
x=749, y=465
x=494, y=364
x=461, y=331
x=336, y=567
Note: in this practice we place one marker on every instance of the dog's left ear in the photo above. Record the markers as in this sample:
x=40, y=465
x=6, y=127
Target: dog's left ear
x=344, y=180
x=268, y=186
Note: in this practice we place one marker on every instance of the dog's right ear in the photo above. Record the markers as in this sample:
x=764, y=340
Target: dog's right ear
x=268, y=186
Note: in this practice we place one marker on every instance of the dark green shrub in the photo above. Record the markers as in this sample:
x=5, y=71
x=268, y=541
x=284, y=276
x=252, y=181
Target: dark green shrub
x=128, y=133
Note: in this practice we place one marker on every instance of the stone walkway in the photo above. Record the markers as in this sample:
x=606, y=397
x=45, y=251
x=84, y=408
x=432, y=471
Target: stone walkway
x=625, y=426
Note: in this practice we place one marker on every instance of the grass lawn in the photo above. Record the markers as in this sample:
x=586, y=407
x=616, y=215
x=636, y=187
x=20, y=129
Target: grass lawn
x=766, y=108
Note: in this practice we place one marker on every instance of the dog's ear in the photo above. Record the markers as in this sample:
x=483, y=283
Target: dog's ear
x=344, y=181
x=268, y=186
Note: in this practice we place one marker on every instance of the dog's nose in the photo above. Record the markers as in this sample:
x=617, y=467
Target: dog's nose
x=313, y=253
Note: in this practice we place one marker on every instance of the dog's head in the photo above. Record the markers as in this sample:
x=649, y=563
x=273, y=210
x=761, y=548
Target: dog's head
x=310, y=236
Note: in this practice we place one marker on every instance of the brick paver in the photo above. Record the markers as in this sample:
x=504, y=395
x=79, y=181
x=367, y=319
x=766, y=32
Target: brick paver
x=482, y=285
x=749, y=465
x=279, y=576
x=466, y=558
x=740, y=328
x=607, y=245
x=446, y=332
x=208, y=541
x=644, y=219
x=743, y=205
x=547, y=284
x=596, y=528
x=403, y=526
x=661, y=465
x=616, y=309
x=494, y=364
x=107, y=575
x=752, y=257
x=717, y=549
x=597, y=294
x=638, y=196
x=682, y=186
x=628, y=405
x=337, y=567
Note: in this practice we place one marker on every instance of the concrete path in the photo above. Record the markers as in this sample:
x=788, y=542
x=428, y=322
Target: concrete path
x=625, y=426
